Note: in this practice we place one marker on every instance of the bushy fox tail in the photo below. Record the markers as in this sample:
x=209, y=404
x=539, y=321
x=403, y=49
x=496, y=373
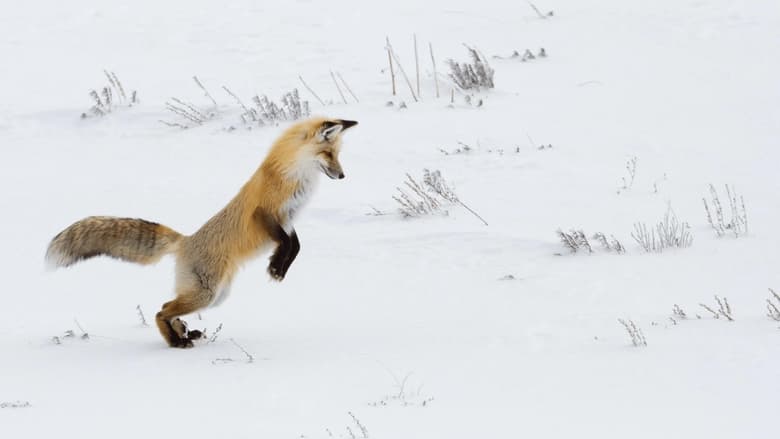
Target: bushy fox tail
x=129, y=239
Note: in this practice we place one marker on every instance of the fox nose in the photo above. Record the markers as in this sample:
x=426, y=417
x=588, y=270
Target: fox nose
x=341, y=175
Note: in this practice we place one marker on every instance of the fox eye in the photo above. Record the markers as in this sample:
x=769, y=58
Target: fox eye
x=328, y=155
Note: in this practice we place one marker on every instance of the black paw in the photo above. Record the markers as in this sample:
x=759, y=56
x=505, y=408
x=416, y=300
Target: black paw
x=275, y=271
x=181, y=336
x=195, y=334
x=182, y=343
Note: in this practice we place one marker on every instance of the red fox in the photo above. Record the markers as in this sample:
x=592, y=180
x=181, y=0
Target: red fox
x=260, y=216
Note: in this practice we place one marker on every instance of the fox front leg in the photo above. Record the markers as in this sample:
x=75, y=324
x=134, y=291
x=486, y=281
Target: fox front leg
x=285, y=254
x=276, y=266
x=295, y=247
x=276, y=232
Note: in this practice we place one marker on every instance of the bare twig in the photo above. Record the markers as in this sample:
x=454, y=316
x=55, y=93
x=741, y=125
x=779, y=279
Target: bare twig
x=724, y=308
x=240, y=102
x=337, y=87
x=390, y=61
x=114, y=81
x=417, y=65
x=141, y=315
x=310, y=90
x=375, y=212
x=435, y=75
x=183, y=113
x=191, y=108
x=84, y=334
x=347, y=87
x=187, y=111
x=249, y=356
x=206, y=92
x=173, y=124
x=360, y=426
x=472, y=212
x=772, y=308
x=401, y=69
x=712, y=311
x=538, y=12
x=214, y=336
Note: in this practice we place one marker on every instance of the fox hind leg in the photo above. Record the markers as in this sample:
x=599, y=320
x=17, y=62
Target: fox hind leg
x=172, y=328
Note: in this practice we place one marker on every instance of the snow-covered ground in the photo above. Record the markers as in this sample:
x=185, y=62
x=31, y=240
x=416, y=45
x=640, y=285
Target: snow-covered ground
x=405, y=324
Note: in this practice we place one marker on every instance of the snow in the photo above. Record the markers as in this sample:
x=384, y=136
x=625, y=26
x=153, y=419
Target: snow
x=687, y=87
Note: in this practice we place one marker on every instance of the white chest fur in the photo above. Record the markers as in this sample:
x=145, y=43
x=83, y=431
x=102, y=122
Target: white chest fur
x=307, y=182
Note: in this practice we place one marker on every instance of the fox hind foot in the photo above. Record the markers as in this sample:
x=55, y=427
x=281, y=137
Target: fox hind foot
x=171, y=332
x=180, y=327
x=172, y=328
x=195, y=334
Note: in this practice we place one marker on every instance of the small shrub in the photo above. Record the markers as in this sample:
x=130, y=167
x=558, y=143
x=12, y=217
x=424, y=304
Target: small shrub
x=628, y=180
x=191, y=114
x=678, y=312
x=527, y=55
x=669, y=233
x=724, y=309
x=418, y=202
x=611, y=244
x=773, y=309
x=110, y=97
x=268, y=112
x=477, y=75
x=263, y=111
x=429, y=197
x=576, y=240
x=737, y=223
x=635, y=332
x=15, y=404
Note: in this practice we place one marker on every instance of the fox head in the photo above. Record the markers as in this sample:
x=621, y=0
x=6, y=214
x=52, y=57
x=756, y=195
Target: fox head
x=308, y=148
x=327, y=145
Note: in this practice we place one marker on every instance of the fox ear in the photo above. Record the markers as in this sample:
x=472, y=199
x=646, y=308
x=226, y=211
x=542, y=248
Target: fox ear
x=348, y=123
x=329, y=129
